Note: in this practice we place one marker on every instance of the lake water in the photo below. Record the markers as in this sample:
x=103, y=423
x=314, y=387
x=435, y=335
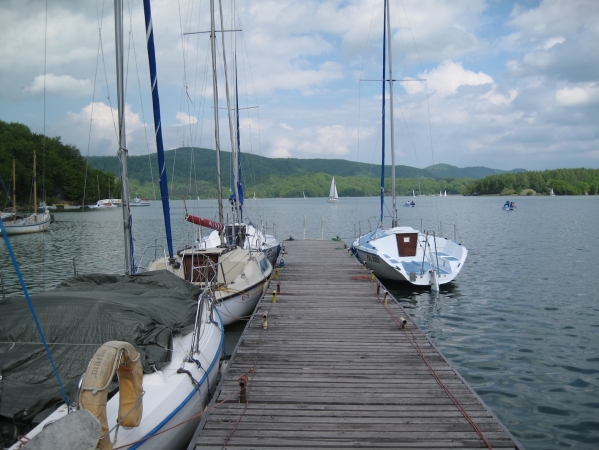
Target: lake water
x=520, y=323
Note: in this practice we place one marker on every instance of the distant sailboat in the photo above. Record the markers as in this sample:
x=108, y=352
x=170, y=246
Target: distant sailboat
x=445, y=194
x=304, y=194
x=33, y=223
x=552, y=194
x=413, y=194
x=333, y=197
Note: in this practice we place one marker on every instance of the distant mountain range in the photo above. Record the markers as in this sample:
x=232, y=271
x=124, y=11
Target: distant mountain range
x=261, y=168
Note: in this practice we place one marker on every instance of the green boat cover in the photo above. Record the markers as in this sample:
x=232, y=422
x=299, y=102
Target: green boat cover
x=77, y=317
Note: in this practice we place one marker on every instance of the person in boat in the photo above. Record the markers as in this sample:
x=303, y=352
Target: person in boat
x=512, y=205
x=412, y=203
x=507, y=204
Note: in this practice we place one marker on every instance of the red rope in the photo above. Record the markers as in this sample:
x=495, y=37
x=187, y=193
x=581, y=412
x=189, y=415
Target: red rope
x=430, y=368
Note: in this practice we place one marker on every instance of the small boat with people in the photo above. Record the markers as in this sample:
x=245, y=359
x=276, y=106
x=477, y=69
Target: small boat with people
x=410, y=203
x=509, y=206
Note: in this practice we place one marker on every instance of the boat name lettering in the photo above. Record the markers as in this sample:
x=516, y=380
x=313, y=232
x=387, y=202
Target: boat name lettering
x=373, y=258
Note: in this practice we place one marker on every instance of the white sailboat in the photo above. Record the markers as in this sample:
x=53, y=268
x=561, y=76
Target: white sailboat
x=552, y=194
x=160, y=408
x=237, y=255
x=32, y=223
x=401, y=253
x=445, y=193
x=333, y=197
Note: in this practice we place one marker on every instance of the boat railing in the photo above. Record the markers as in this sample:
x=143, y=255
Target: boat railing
x=205, y=306
x=156, y=248
x=433, y=255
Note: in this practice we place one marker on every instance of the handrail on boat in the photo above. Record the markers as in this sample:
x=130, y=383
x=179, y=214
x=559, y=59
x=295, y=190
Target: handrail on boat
x=155, y=247
x=428, y=234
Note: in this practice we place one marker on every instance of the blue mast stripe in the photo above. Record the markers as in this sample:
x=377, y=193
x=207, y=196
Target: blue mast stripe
x=158, y=129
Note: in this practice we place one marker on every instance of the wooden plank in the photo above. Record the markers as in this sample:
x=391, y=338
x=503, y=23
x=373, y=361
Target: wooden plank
x=334, y=369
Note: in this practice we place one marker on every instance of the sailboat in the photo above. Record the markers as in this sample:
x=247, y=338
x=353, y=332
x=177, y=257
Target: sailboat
x=237, y=255
x=304, y=194
x=401, y=253
x=33, y=223
x=333, y=197
x=168, y=372
x=445, y=193
x=552, y=194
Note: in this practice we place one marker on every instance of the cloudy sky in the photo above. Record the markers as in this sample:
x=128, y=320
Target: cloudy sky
x=499, y=83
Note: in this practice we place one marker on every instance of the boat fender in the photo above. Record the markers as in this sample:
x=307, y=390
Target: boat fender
x=265, y=321
x=113, y=357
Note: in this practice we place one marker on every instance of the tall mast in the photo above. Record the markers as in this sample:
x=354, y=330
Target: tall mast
x=234, y=151
x=391, y=123
x=14, y=191
x=215, y=94
x=238, y=187
x=34, y=187
x=122, y=153
x=383, y=114
x=158, y=127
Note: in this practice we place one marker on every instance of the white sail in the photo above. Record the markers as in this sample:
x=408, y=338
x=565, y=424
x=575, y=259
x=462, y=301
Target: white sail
x=333, y=197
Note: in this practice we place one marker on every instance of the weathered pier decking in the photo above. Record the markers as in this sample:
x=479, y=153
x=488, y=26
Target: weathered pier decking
x=334, y=369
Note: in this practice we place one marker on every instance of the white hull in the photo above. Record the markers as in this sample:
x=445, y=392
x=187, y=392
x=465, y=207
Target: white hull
x=170, y=398
x=139, y=202
x=241, y=277
x=28, y=224
x=333, y=200
x=384, y=253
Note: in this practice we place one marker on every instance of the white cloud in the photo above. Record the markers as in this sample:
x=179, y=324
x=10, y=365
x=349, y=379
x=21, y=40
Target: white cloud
x=552, y=42
x=282, y=148
x=330, y=141
x=64, y=85
x=102, y=136
x=185, y=119
x=447, y=78
x=579, y=95
x=286, y=127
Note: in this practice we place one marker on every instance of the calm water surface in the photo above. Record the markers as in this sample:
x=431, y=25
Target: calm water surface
x=520, y=323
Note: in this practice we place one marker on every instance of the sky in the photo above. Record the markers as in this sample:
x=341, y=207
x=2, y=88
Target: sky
x=503, y=84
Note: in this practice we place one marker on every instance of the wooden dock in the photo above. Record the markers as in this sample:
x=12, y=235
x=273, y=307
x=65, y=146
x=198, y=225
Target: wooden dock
x=335, y=369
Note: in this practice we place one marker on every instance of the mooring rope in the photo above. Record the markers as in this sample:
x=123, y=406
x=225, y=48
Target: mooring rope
x=416, y=347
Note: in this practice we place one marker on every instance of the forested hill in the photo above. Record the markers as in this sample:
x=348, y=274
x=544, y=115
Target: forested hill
x=281, y=177
x=562, y=181
x=61, y=170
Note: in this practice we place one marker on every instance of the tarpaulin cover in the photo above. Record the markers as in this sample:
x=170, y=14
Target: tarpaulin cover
x=77, y=317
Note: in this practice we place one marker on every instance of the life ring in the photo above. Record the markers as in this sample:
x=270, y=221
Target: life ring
x=120, y=358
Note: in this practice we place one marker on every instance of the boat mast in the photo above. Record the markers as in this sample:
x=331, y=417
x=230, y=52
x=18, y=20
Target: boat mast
x=14, y=191
x=158, y=128
x=34, y=188
x=234, y=149
x=383, y=115
x=122, y=153
x=215, y=100
x=238, y=187
x=391, y=123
